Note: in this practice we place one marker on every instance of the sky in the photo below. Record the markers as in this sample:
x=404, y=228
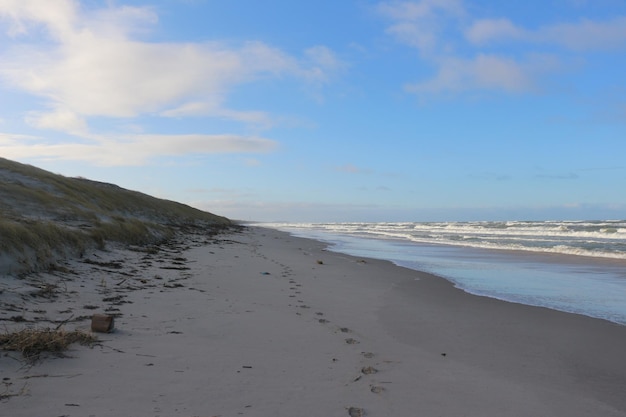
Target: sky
x=323, y=111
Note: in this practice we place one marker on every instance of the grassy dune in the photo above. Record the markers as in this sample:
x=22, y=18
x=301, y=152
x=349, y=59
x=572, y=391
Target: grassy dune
x=45, y=217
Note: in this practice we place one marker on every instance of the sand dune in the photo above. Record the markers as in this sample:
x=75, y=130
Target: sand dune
x=46, y=217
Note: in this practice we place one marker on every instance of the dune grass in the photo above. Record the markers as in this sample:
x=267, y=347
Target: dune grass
x=38, y=244
x=46, y=216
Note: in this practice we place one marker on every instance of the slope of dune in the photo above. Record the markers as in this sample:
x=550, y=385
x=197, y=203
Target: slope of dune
x=45, y=217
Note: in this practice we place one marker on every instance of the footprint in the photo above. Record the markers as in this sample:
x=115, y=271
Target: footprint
x=356, y=412
x=352, y=341
x=376, y=389
x=368, y=370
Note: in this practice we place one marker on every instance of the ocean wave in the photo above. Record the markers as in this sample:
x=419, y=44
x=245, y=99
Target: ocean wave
x=605, y=239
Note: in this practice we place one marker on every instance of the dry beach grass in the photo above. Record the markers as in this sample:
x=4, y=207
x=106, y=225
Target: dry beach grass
x=31, y=343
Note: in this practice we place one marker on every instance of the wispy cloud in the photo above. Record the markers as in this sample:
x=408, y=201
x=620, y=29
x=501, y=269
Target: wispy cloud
x=483, y=31
x=490, y=176
x=485, y=71
x=60, y=119
x=567, y=176
x=353, y=169
x=435, y=29
x=422, y=24
x=457, y=45
x=584, y=35
x=202, y=108
x=131, y=149
x=88, y=63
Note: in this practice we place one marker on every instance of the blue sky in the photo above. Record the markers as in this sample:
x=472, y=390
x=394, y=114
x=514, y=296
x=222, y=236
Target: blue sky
x=346, y=110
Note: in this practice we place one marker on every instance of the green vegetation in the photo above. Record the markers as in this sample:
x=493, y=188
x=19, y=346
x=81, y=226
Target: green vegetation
x=45, y=216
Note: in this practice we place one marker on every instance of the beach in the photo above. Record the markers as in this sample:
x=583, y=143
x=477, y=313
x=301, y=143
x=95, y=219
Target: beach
x=255, y=322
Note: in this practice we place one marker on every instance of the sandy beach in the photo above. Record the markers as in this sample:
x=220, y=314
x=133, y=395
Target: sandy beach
x=255, y=322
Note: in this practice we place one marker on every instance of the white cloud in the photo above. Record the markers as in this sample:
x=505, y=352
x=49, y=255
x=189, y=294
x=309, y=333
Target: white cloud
x=454, y=42
x=204, y=108
x=431, y=25
x=89, y=63
x=258, y=118
x=122, y=78
x=436, y=29
x=11, y=138
x=487, y=30
x=421, y=24
x=580, y=36
x=415, y=11
x=415, y=35
x=486, y=72
x=322, y=63
x=129, y=150
x=57, y=15
x=184, y=144
x=587, y=34
x=59, y=119
x=193, y=108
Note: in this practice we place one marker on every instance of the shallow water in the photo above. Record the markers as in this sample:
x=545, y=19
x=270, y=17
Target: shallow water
x=591, y=286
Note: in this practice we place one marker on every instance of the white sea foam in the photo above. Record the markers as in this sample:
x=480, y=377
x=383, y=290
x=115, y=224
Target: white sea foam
x=605, y=239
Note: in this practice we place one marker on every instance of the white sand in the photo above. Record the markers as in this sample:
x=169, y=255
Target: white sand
x=259, y=327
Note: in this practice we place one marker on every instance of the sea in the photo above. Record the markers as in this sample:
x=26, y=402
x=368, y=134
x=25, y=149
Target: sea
x=572, y=266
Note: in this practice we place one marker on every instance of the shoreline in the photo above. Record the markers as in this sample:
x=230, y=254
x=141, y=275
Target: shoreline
x=262, y=323
x=553, y=268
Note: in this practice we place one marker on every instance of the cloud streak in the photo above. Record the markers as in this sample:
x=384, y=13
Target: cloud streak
x=585, y=35
x=132, y=150
x=353, y=169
